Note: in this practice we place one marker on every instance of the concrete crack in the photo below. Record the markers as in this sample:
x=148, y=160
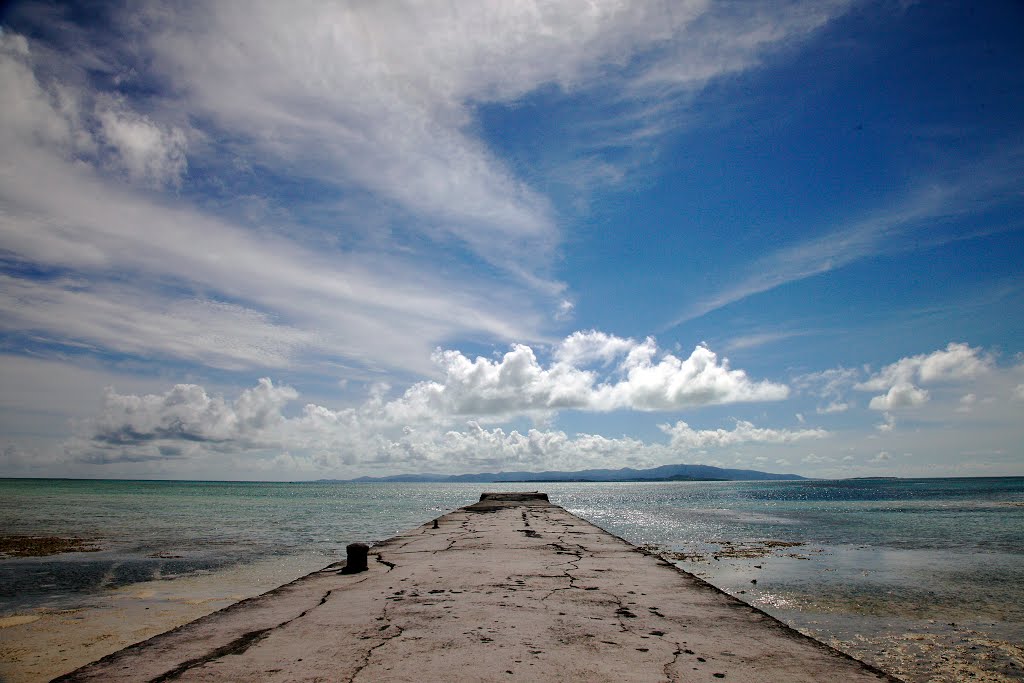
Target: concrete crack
x=466, y=531
x=369, y=653
x=622, y=613
x=235, y=647
x=671, y=675
x=574, y=564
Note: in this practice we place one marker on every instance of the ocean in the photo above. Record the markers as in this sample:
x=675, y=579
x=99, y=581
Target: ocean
x=922, y=577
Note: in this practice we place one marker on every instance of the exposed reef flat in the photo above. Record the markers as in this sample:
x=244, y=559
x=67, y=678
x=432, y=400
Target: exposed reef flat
x=511, y=588
x=41, y=546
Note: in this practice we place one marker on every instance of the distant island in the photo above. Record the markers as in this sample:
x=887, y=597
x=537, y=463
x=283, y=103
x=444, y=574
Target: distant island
x=663, y=473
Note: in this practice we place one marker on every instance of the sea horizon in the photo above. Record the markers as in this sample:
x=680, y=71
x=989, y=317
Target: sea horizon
x=546, y=481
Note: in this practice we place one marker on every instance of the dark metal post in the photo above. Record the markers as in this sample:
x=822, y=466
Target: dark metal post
x=356, y=558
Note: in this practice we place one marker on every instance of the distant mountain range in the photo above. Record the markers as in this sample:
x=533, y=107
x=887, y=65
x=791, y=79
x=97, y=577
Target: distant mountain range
x=663, y=473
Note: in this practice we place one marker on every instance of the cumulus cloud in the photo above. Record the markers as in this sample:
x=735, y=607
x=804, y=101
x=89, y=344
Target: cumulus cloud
x=585, y=347
x=671, y=382
x=187, y=413
x=955, y=362
x=1018, y=392
x=899, y=380
x=684, y=437
x=516, y=383
x=644, y=379
x=418, y=429
x=900, y=395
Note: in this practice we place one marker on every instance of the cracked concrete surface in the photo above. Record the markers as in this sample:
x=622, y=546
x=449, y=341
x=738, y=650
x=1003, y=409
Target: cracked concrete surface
x=477, y=599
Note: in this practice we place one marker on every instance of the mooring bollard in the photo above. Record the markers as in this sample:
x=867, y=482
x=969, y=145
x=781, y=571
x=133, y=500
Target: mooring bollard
x=435, y=523
x=355, y=561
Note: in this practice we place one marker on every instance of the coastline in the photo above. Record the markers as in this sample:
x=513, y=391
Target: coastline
x=42, y=643
x=501, y=590
x=921, y=578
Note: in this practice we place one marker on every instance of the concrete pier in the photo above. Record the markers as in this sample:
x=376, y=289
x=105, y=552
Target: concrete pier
x=512, y=588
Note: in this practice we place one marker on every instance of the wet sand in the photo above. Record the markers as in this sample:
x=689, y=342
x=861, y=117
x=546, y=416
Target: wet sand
x=42, y=642
x=504, y=590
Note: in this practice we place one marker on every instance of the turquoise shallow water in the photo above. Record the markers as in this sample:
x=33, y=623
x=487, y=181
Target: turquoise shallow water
x=883, y=568
x=159, y=530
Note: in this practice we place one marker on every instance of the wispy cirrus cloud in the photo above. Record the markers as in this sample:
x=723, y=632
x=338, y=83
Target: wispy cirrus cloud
x=125, y=160
x=921, y=215
x=121, y=253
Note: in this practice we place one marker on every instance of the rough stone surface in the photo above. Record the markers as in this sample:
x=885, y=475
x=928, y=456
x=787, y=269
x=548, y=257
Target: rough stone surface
x=525, y=592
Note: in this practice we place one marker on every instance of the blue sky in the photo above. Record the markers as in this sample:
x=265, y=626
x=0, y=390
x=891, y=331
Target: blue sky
x=274, y=241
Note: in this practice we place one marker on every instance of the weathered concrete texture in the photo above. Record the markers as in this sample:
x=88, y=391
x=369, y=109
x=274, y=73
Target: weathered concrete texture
x=506, y=590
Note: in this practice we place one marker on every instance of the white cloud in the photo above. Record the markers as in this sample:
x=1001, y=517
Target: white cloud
x=62, y=213
x=149, y=152
x=967, y=402
x=1018, y=392
x=684, y=437
x=411, y=431
x=440, y=426
x=382, y=95
x=900, y=395
x=214, y=333
x=958, y=362
x=583, y=348
x=516, y=383
x=565, y=309
x=380, y=99
x=751, y=341
x=672, y=383
x=829, y=382
x=187, y=413
x=923, y=213
x=375, y=102
x=645, y=379
x=55, y=115
x=882, y=456
x=49, y=118
x=830, y=385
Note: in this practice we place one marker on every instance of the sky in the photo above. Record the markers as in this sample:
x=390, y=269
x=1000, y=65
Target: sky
x=290, y=241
